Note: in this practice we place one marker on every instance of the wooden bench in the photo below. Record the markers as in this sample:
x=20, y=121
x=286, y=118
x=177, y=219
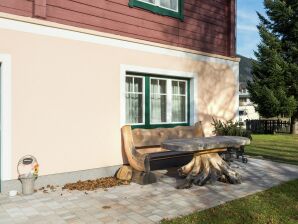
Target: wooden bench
x=144, y=152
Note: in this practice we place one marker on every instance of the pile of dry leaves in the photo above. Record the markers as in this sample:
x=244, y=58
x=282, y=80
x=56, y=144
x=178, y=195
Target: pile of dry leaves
x=48, y=188
x=91, y=185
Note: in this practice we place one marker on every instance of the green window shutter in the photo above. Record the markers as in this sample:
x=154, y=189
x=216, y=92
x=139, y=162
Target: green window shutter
x=160, y=10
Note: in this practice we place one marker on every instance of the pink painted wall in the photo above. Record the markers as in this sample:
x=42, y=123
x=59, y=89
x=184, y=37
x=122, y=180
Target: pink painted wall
x=66, y=97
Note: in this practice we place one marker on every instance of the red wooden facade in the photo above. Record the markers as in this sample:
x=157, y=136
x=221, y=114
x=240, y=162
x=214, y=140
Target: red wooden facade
x=208, y=26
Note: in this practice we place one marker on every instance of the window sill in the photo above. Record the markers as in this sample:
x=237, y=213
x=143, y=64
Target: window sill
x=151, y=126
x=159, y=10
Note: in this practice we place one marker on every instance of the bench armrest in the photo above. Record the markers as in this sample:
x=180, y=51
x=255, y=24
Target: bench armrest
x=135, y=159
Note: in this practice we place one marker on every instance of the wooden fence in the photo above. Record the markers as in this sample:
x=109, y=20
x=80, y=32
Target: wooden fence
x=268, y=126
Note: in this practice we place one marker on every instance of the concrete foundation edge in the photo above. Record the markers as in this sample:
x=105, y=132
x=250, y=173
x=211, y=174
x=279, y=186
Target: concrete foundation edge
x=62, y=178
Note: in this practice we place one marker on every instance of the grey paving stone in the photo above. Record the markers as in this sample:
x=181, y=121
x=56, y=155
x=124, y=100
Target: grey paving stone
x=155, y=218
x=21, y=220
x=136, y=204
x=6, y=221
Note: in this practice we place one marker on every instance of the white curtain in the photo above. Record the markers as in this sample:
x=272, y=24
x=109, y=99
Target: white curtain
x=178, y=108
x=134, y=108
x=158, y=108
x=158, y=111
x=134, y=100
x=178, y=101
x=171, y=4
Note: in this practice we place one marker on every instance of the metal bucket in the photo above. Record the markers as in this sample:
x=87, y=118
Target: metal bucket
x=27, y=184
x=28, y=177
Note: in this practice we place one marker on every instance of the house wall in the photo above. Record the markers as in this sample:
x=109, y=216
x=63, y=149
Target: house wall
x=250, y=113
x=209, y=26
x=66, y=91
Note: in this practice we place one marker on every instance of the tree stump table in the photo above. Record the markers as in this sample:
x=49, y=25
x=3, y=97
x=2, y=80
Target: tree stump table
x=206, y=164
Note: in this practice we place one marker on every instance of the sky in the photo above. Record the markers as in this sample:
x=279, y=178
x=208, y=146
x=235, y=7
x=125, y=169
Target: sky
x=247, y=32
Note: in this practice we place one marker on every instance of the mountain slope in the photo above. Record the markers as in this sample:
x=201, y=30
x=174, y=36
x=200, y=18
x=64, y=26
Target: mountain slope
x=245, y=67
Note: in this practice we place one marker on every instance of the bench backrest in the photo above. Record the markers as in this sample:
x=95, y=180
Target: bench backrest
x=154, y=137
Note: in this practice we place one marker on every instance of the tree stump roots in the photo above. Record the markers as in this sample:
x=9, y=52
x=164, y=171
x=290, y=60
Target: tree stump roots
x=207, y=168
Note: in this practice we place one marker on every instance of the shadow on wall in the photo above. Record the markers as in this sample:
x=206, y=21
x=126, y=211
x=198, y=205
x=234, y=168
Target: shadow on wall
x=208, y=30
x=217, y=92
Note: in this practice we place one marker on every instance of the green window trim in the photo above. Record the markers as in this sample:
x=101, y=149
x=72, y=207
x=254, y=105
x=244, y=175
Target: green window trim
x=160, y=10
x=147, y=114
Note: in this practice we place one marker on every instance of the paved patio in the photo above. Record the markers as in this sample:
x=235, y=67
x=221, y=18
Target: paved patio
x=140, y=204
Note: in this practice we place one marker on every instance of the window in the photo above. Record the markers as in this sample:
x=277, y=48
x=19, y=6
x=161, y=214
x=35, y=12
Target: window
x=166, y=4
x=158, y=101
x=179, y=101
x=242, y=113
x=153, y=101
x=243, y=100
x=173, y=8
x=134, y=99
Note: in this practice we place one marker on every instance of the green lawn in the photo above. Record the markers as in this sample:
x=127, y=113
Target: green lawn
x=277, y=205
x=280, y=148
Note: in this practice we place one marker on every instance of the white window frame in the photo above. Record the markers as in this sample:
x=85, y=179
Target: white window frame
x=157, y=3
x=193, y=91
x=143, y=98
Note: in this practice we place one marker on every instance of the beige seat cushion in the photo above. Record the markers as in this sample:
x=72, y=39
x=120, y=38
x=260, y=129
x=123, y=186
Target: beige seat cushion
x=154, y=137
x=146, y=150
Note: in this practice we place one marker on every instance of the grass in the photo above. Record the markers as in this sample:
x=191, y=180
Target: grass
x=280, y=148
x=278, y=205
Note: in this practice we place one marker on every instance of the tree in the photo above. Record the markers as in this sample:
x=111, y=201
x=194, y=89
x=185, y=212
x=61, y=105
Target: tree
x=274, y=88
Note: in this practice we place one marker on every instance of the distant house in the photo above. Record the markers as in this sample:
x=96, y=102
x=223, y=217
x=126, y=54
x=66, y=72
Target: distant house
x=247, y=109
x=74, y=72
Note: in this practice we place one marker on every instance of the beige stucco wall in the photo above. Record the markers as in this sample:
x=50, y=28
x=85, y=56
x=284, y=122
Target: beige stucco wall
x=66, y=98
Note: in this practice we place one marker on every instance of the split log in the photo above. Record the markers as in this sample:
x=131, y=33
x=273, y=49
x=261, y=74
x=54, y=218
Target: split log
x=124, y=173
x=207, y=167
